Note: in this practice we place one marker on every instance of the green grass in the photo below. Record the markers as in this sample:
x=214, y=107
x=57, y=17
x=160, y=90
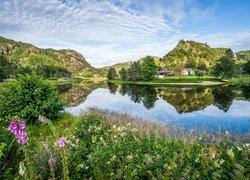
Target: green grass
x=240, y=80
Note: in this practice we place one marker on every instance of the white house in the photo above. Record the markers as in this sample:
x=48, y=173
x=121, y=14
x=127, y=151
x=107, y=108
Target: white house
x=187, y=71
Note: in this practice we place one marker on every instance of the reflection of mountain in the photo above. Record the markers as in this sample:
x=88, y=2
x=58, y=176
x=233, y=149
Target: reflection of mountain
x=78, y=93
x=188, y=100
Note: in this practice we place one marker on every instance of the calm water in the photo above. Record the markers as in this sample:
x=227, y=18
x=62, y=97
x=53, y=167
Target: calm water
x=224, y=107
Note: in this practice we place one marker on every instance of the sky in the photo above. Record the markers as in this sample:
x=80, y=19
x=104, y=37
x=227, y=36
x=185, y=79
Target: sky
x=106, y=32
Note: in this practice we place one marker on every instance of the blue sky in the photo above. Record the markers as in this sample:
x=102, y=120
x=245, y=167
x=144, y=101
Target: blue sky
x=113, y=31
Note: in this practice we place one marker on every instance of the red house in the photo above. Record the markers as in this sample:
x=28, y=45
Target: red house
x=165, y=73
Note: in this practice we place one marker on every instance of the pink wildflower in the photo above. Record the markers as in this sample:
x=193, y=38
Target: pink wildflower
x=62, y=142
x=18, y=128
x=51, y=162
x=42, y=120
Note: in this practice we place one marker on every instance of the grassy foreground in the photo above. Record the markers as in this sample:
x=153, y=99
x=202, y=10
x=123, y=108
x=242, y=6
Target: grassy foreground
x=110, y=145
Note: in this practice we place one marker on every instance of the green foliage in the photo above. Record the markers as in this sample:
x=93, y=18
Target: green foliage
x=246, y=67
x=111, y=73
x=178, y=69
x=199, y=73
x=149, y=68
x=224, y=68
x=123, y=73
x=3, y=68
x=135, y=71
x=29, y=97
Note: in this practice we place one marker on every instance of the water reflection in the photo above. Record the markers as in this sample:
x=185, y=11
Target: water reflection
x=140, y=94
x=224, y=106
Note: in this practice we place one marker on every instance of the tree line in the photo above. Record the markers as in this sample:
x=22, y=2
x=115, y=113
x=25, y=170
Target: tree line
x=136, y=71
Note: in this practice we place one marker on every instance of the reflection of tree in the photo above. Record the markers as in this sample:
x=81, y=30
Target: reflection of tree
x=78, y=93
x=145, y=94
x=112, y=88
x=223, y=97
x=245, y=90
x=150, y=96
x=187, y=100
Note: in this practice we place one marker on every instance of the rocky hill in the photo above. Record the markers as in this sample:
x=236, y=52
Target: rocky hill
x=24, y=54
x=192, y=53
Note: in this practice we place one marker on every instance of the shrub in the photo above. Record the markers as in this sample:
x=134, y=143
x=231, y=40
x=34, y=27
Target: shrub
x=28, y=97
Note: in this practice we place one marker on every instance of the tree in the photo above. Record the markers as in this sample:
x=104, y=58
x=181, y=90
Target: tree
x=199, y=73
x=178, y=69
x=111, y=73
x=230, y=53
x=149, y=68
x=190, y=63
x=246, y=68
x=123, y=73
x=224, y=68
x=3, y=68
x=136, y=71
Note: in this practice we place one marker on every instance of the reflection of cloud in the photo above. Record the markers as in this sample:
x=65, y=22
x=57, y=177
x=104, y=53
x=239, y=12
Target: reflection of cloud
x=238, y=108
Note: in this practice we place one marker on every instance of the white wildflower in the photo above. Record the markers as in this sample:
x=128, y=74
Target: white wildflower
x=222, y=161
x=22, y=168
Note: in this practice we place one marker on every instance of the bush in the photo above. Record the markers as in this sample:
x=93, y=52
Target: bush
x=28, y=97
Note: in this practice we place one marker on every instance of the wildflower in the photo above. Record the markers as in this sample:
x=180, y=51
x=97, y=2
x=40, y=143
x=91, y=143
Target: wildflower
x=222, y=161
x=239, y=149
x=18, y=128
x=123, y=134
x=108, y=162
x=130, y=158
x=42, y=120
x=113, y=158
x=62, y=142
x=51, y=162
x=129, y=124
x=230, y=153
x=22, y=168
x=213, y=155
x=197, y=160
x=134, y=130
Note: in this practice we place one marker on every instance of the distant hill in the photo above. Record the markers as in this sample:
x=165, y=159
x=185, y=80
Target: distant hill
x=192, y=53
x=243, y=55
x=126, y=64
x=29, y=55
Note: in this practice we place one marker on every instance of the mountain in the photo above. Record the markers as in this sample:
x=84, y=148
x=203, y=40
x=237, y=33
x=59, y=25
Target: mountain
x=192, y=54
x=126, y=64
x=243, y=55
x=24, y=54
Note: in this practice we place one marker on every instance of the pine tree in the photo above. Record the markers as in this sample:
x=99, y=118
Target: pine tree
x=149, y=68
x=111, y=73
x=123, y=73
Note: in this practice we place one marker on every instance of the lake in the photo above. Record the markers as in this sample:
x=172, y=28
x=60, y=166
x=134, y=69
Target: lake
x=205, y=108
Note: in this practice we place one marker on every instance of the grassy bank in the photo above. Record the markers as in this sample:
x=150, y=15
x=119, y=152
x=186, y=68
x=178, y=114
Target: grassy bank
x=116, y=146
x=240, y=80
x=173, y=79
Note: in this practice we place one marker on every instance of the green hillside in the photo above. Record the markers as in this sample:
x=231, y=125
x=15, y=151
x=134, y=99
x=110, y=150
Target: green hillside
x=243, y=55
x=192, y=54
x=23, y=54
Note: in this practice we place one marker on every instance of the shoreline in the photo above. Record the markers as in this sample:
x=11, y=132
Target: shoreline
x=203, y=83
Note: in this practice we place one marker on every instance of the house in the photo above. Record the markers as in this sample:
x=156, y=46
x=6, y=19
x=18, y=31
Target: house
x=165, y=73
x=187, y=71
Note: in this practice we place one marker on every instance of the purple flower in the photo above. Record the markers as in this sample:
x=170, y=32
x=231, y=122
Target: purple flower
x=51, y=162
x=42, y=120
x=62, y=142
x=18, y=128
